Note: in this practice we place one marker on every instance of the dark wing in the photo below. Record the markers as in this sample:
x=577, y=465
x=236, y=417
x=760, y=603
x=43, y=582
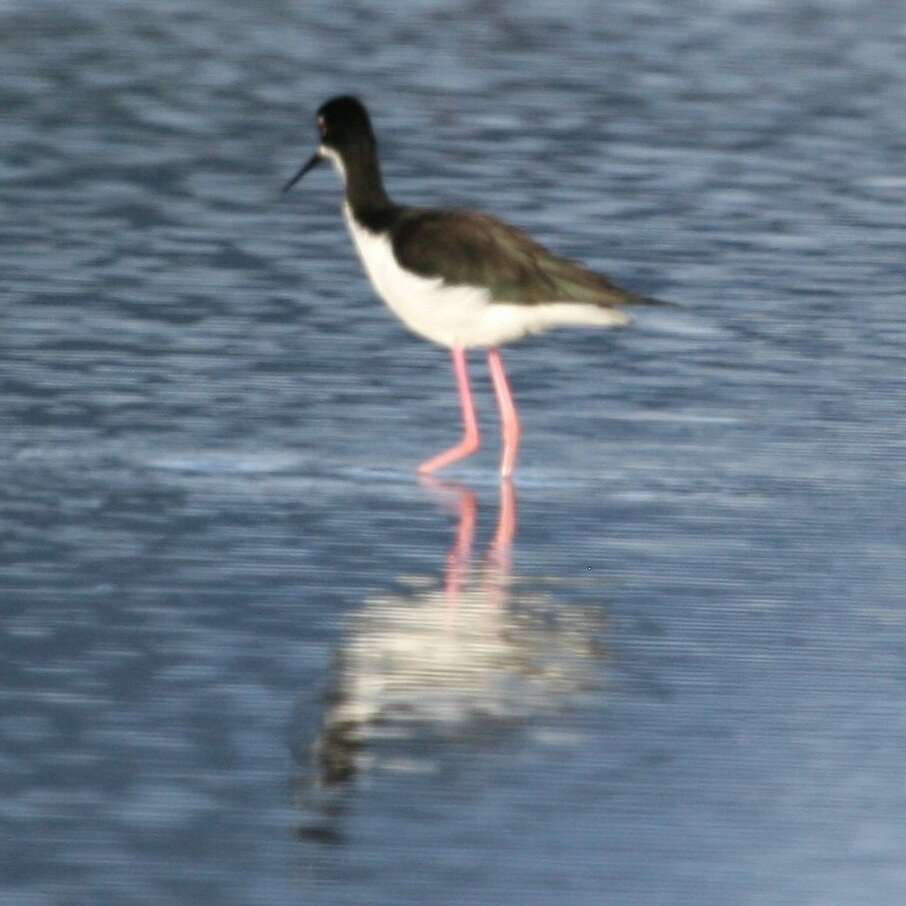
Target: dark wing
x=463, y=248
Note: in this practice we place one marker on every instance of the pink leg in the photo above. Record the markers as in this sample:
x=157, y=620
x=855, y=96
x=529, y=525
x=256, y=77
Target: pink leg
x=470, y=441
x=512, y=430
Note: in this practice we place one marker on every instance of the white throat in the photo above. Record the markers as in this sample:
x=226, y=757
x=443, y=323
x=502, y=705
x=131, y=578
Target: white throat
x=335, y=159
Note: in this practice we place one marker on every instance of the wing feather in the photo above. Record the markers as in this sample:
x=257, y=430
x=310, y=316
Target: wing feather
x=464, y=248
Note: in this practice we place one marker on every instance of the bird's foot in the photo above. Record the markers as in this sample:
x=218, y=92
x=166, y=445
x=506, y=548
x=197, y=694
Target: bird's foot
x=466, y=447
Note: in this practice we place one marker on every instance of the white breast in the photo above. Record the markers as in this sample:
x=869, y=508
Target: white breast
x=460, y=315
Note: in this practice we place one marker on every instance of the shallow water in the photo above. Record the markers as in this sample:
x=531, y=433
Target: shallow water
x=249, y=658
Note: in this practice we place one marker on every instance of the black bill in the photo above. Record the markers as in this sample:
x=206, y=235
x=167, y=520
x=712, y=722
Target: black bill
x=313, y=162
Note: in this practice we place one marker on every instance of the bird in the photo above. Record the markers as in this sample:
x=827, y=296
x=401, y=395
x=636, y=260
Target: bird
x=461, y=279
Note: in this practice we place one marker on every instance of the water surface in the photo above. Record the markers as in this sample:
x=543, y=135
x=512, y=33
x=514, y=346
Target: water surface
x=249, y=658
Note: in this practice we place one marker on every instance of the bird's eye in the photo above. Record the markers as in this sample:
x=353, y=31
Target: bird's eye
x=322, y=127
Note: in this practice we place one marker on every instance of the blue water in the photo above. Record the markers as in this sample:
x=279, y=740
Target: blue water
x=248, y=658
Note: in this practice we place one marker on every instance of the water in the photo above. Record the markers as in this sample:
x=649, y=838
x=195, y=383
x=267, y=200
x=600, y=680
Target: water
x=248, y=658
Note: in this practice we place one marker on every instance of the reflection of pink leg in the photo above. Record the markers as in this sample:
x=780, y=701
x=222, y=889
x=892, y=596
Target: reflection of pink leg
x=463, y=503
x=500, y=549
x=471, y=440
x=461, y=553
x=508, y=417
x=506, y=524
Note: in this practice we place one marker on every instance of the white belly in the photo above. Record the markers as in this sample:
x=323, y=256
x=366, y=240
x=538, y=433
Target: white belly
x=461, y=316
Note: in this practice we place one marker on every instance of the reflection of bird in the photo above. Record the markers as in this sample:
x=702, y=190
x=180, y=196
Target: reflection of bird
x=458, y=278
x=472, y=660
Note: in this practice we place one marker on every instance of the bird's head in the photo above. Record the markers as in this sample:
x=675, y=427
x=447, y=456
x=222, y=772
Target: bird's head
x=344, y=129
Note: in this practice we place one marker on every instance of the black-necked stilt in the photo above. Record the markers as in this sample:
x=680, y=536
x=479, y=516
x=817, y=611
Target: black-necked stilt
x=459, y=278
